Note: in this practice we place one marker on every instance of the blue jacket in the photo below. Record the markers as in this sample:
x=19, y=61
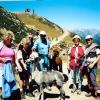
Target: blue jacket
x=41, y=47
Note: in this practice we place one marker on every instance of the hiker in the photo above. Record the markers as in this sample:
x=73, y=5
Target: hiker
x=7, y=64
x=23, y=68
x=41, y=46
x=75, y=53
x=92, y=56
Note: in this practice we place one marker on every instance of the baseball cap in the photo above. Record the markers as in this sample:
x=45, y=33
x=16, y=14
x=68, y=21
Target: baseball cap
x=76, y=36
x=89, y=37
x=42, y=33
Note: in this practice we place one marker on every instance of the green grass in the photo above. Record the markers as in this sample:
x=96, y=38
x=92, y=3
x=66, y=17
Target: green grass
x=38, y=23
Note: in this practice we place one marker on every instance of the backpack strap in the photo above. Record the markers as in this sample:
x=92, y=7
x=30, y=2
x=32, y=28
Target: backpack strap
x=90, y=48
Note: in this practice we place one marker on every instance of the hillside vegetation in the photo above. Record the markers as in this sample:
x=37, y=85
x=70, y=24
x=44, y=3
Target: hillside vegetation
x=41, y=23
x=10, y=21
x=22, y=23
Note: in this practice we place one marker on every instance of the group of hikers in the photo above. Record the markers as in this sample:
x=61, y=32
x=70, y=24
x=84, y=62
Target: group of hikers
x=30, y=56
x=83, y=61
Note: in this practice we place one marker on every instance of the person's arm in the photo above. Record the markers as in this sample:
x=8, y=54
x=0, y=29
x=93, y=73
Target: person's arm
x=35, y=46
x=18, y=54
x=19, y=59
x=22, y=62
x=68, y=57
x=2, y=59
x=96, y=60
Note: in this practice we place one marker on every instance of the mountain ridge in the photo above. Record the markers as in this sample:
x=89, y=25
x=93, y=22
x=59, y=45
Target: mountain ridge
x=22, y=23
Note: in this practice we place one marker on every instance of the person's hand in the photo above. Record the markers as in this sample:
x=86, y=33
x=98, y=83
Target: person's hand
x=3, y=60
x=91, y=65
x=19, y=69
x=28, y=60
x=25, y=67
x=81, y=68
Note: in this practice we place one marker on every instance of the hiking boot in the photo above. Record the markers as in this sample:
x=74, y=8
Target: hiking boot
x=88, y=95
x=78, y=92
x=73, y=90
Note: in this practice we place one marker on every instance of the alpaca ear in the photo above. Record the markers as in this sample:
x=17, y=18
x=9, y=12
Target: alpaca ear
x=65, y=77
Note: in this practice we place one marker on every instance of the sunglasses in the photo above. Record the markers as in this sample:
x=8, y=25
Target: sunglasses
x=43, y=35
x=88, y=39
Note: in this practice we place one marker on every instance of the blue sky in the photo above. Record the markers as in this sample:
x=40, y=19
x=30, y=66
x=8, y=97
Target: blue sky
x=69, y=14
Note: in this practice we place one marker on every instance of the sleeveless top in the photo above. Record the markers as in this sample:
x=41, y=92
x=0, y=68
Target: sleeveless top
x=7, y=53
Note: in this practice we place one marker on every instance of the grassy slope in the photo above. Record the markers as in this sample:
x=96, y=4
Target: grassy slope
x=9, y=21
x=30, y=20
x=68, y=40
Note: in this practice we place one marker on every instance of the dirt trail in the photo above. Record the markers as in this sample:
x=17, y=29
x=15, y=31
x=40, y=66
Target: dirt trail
x=52, y=95
x=60, y=38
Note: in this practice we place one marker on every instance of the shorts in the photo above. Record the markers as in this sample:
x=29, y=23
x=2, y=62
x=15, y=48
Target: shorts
x=24, y=75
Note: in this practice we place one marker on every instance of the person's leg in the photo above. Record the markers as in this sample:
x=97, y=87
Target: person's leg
x=28, y=75
x=41, y=63
x=28, y=79
x=0, y=93
x=74, y=81
x=22, y=84
x=79, y=81
x=92, y=81
x=46, y=63
x=22, y=89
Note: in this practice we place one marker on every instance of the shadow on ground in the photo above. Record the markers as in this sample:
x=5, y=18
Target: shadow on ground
x=49, y=95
